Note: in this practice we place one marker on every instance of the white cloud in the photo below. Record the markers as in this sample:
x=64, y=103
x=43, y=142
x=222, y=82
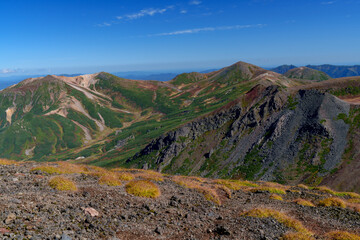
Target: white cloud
x=328, y=2
x=195, y=2
x=8, y=71
x=207, y=29
x=143, y=13
x=105, y=24
x=183, y=11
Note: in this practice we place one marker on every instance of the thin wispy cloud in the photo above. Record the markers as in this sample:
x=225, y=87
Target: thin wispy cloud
x=147, y=12
x=328, y=2
x=8, y=70
x=144, y=13
x=207, y=29
x=195, y=2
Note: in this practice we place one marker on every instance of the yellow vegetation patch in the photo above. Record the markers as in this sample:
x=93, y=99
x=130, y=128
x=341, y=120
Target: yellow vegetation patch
x=4, y=161
x=332, y=202
x=207, y=190
x=348, y=194
x=342, y=235
x=61, y=168
x=150, y=175
x=302, y=186
x=269, y=189
x=235, y=184
x=354, y=200
x=62, y=184
x=125, y=176
x=278, y=216
x=339, y=194
x=275, y=185
x=209, y=194
x=304, y=202
x=143, y=188
x=296, y=236
x=276, y=197
x=47, y=169
x=324, y=189
x=110, y=180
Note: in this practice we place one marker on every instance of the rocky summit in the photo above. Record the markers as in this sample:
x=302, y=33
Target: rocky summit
x=69, y=201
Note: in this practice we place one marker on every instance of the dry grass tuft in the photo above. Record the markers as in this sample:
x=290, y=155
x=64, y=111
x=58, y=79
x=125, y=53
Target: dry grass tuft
x=348, y=194
x=62, y=184
x=296, y=236
x=280, y=217
x=110, y=180
x=125, y=176
x=61, y=168
x=269, y=189
x=339, y=194
x=225, y=189
x=275, y=185
x=235, y=184
x=208, y=192
x=324, y=189
x=97, y=171
x=302, y=186
x=303, y=202
x=150, y=175
x=47, y=169
x=353, y=200
x=4, y=161
x=332, y=202
x=143, y=188
x=276, y=197
x=342, y=235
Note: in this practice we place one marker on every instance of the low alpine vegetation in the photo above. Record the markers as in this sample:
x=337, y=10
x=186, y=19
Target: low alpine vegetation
x=278, y=216
x=332, y=202
x=342, y=235
x=303, y=202
x=4, y=161
x=296, y=236
x=143, y=188
x=62, y=184
x=110, y=180
x=269, y=189
x=207, y=190
x=276, y=197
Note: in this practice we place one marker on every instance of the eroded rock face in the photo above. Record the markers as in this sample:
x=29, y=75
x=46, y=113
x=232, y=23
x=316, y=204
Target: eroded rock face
x=268, y=140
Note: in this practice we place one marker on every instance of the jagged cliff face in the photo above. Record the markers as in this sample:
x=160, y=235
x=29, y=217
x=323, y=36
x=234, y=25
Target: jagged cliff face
x=269, y=135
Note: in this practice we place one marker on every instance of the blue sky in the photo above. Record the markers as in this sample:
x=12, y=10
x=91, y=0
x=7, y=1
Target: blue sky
x=63, y=36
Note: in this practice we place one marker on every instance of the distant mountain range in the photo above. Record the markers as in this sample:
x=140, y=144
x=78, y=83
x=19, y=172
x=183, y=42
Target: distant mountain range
x=229, y=123
x=334, y=71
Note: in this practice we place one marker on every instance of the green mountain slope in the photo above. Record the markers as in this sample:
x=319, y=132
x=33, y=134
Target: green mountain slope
x=307, y=74
x=241, y=121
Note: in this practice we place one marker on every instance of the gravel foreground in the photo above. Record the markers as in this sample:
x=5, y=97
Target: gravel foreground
x=31, y=209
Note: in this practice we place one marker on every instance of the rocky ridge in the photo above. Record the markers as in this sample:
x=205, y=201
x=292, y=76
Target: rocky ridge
x=188, y=207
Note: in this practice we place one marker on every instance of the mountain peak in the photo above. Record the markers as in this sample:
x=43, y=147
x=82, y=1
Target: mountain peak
x=307, y=74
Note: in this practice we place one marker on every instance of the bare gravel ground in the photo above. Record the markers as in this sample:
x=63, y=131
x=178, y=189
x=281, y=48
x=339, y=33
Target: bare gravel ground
x=30, y=209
